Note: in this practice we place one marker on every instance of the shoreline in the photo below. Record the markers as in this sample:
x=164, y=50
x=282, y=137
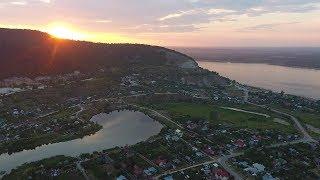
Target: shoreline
x=265, y=63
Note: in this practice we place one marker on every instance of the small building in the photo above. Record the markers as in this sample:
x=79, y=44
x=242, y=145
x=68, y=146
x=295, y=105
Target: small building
x=221, y=174
x=168, y=178
x=268, y=176
x=150, y=171
x=121, y=177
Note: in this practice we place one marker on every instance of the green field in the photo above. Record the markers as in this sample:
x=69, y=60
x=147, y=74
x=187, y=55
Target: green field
x=308, y=118
x=237, y=119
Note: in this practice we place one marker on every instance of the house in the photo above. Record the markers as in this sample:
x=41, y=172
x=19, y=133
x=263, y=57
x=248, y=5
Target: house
x=209, y=151
x=179, y=133
x=240, y=143
x=221, y=174
x=137, y=171
x=259, y=167
x=161, y=162
x=268, y=176
x=150, y=171
x=244, y=164
x=105, y=159
x=255, y=169
x=251, y=170
x=168, y=178
x=317, y=161
x=199, y=154
x=15, y=112
x=55, y=173
x=121, y=177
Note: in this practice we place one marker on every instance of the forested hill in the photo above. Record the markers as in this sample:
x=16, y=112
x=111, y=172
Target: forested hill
x=33, y=53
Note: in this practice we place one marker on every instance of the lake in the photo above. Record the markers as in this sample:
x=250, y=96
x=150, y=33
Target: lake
x=120, y=128
x=296, y=81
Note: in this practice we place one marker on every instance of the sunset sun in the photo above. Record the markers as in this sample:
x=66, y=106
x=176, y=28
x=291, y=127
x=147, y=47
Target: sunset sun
x=65, y=33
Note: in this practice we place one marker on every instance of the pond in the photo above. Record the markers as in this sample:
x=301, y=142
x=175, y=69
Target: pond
x=120, y=128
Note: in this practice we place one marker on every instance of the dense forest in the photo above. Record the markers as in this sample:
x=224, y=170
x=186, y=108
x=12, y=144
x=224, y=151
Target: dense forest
x=33, y=53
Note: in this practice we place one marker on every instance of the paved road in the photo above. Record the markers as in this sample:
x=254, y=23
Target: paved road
x=299, y=126
x=183, y=169
x=250, y=112
x=223, y=161
x=81, y=109
x=302, y=140
x=82, y=170
x=45, y=115
x=158, y=114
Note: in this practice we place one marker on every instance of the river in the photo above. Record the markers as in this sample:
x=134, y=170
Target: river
x=120, y=128
x=296, y=81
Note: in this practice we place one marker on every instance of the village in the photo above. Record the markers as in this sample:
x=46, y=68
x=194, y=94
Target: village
x=208, y=131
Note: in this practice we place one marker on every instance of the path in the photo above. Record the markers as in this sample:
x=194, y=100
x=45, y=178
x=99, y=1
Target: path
x=82, y=170
x=183, y=169
x=250, y=112
x=223, y=161
x=297, y=123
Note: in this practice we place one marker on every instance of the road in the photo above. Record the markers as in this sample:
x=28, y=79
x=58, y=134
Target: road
x=298, y=125
x=302, y=140
x=81, y=109
x=223, y=161
x=183, y=169
x=250, y=112
x=159, y=115
x=82, y=170
x=45, y=115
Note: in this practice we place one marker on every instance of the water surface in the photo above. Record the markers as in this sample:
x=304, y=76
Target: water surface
x=120, y=128
x=296, y=81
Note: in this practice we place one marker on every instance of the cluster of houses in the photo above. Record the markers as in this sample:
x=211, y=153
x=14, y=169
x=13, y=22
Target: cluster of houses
x=282, y=160
x=294, y=103
x=228, y=139
x=121, y=165
x=63, y=167
x=16, y=84
x=137, y=83
x=206, y=171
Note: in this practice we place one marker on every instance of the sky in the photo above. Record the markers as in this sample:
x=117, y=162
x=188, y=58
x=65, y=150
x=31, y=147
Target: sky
x=190, y=23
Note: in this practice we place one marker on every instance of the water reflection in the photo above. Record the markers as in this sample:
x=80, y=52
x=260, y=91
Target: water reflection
x=296, y=81
x=120, y=128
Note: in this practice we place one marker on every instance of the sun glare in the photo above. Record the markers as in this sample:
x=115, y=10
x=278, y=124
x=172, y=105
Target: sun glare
x=65, y=33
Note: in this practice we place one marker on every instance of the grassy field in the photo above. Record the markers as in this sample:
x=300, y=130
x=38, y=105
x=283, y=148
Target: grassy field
x=307, y=118
x=237, y=119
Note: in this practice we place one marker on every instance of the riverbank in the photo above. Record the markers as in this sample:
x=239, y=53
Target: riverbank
x=295, y=81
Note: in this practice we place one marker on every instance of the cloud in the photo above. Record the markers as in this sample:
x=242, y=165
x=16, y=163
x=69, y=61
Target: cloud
x=45, y=1
x=159, y=15
x=103, y=21
x=270, y=26
x=177, y=15
x=19, y=3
